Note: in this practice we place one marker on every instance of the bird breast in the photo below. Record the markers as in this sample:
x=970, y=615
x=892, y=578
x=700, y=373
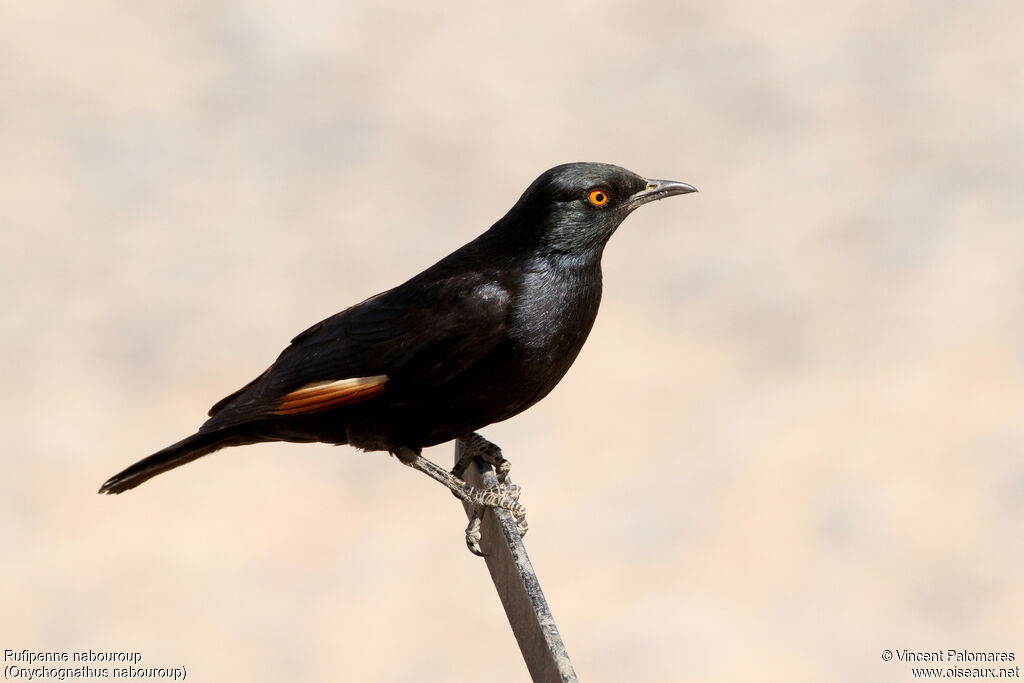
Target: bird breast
x=554, y=312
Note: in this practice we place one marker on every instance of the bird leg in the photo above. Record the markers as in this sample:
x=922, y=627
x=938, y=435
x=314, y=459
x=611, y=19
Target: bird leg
x=476, y=446
x=504, y=496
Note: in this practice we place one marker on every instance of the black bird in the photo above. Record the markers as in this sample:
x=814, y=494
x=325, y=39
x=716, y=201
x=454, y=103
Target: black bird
x=476, y=338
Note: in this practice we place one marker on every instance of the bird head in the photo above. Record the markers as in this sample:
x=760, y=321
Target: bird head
x=575, y=208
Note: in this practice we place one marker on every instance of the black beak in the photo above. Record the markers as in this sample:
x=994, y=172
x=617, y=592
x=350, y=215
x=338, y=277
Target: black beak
x=658, y=189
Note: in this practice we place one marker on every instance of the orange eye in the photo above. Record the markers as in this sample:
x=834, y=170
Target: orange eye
x=597, y=197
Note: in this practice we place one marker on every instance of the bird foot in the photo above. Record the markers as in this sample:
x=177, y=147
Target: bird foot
x=504, y=495
x=473, y=534
x=476, y=446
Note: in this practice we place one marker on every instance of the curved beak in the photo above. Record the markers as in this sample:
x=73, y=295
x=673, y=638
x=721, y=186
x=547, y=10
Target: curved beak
x=658, y=189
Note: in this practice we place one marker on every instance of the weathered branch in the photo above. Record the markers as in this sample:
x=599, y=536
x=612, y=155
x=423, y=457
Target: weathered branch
x=518, y=587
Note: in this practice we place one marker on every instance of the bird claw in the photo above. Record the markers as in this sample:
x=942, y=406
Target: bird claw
x=473, y=534
x=521, y=526
x=473, y=529
x=502, y=469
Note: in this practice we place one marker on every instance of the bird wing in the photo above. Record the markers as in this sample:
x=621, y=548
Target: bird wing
x=411, y=336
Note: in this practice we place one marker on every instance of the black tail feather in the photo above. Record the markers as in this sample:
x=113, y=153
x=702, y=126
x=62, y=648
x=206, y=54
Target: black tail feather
x=185, y=451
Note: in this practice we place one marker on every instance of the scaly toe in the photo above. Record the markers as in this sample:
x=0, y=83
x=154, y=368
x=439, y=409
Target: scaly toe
x=473, y=535
x=501, y=471
x=522, y=527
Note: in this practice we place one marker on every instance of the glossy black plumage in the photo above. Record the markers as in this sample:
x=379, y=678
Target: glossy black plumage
x=475, y=339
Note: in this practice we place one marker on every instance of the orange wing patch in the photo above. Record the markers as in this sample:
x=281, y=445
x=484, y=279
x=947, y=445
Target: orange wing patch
x=318, y=396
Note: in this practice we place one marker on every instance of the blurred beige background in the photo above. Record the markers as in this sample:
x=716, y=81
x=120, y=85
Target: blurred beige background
x=793, y=440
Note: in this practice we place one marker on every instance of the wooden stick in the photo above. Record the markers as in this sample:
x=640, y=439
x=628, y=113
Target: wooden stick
x=518, y=587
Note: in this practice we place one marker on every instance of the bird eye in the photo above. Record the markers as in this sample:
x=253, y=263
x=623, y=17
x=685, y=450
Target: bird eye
x=597, y=197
